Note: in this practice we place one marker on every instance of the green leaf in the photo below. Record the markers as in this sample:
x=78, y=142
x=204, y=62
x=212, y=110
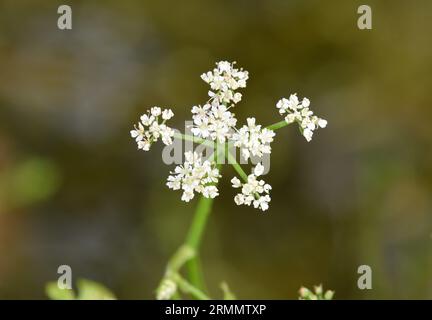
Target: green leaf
x=33, y=180
x=329, y=295
x=90, y=290
x=53, y=291
x=87, y=290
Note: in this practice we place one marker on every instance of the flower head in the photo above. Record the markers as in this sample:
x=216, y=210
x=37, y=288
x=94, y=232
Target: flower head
x=224, y=80
x=252, y=140
x=253, y=192
x=213, y=121
x=195, y=175
x=150, y=129
x=299, y=112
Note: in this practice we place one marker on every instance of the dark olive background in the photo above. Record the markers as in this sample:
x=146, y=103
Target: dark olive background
x=74, y=190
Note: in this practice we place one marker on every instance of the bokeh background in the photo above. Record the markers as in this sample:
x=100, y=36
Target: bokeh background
x=74, y=190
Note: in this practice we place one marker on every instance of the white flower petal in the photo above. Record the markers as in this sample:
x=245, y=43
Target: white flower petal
x=259, y=169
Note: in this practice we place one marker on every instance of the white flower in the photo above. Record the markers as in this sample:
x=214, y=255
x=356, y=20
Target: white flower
x=149, y=129
x=147, y=120
x=195, y=175
x=285, y=104
x=210, y=192
x=252, y=140
x=236, y=182
x=155, y=111
x=322, y=123
x=259, y=169
x=237, y=97
x=239, y=199
x=213, y=121
x=167, y=114
x=224, y=80
x=144, y=145
x=254, y=192
x=262, y=202
x=166, y=134
x=300, y=113
x=307, y=133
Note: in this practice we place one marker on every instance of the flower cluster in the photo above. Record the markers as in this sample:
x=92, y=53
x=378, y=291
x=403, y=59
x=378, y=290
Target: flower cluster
x=213, y=121
x=300, y=112
x=224, y=80
x=150, y=129
x=254, y=191
x=195, y=175
x=252, y=140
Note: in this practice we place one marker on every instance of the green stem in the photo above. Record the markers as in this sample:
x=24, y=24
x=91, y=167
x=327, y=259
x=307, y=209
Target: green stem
x=202, y=212
x=194, y=236
x=278, y=125
x=179, y=258
x=187, y=253
x=187, y=137
x=232, y=161
x=195, y=273
x=188, y=288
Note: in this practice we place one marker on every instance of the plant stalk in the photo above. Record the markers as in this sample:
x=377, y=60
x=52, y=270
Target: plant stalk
x=188, y=252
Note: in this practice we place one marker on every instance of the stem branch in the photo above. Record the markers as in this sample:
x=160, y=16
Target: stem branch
x=188, y=288
x=277, y=125
x=231, y=160
x=187, y=137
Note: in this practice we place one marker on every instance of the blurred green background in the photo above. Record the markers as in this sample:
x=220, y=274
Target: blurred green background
x=74, y=189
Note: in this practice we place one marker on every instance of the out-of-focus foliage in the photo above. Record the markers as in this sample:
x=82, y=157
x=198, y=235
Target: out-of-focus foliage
x=28, y=182
x=86, y=290
x=228, y=295
x=317, y=294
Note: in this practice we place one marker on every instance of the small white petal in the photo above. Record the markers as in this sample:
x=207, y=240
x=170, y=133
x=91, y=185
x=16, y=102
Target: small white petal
x=167, y=114
x=155, y=111
x=322, y=123
x=259, y=169
x=236, y=182
x=239, y=199
x=308, y=134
